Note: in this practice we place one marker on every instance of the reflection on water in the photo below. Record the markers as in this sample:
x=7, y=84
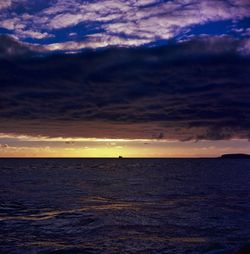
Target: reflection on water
x=124, y=206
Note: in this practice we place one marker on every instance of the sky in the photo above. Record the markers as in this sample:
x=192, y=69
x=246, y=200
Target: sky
x=137, y=78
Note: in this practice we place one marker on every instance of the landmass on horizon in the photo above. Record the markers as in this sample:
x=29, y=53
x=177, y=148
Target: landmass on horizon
x=235, y=156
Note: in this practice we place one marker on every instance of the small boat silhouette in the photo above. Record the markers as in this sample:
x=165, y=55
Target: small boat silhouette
x=120, y=157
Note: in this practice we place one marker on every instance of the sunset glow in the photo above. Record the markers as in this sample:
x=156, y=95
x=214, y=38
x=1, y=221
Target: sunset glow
x=31, y=146
x=124, y=126
x=132, y=78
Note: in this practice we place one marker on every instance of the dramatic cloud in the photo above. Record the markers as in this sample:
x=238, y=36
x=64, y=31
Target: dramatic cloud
x=117, y=22
x=10, y=47
x=194, y=90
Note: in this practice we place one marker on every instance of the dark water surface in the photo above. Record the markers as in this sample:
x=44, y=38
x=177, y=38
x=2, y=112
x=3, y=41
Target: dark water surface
x=124, y=206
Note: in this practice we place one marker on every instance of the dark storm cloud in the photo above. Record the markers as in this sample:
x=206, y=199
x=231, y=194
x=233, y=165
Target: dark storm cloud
x=10, y=47
x=198, y=89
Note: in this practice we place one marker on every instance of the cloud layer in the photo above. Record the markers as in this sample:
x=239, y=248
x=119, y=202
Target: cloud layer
x=116, y=22
x=190, y=91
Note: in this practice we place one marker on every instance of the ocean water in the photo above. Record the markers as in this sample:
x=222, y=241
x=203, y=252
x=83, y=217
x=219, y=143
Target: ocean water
x=71, y=206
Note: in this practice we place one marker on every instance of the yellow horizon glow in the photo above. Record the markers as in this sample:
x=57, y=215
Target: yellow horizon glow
x=54, y=147
x=113, y=152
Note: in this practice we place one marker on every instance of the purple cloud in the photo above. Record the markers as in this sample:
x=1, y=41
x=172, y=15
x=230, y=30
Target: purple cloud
x=123, y=23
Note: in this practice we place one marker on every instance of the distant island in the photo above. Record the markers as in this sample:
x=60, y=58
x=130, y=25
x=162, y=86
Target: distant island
x=235, y=156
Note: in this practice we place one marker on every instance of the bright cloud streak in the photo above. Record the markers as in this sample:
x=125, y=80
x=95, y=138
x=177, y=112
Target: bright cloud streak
x=74, y=139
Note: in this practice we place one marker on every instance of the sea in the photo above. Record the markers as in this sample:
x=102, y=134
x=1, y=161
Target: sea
x=76, y=206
